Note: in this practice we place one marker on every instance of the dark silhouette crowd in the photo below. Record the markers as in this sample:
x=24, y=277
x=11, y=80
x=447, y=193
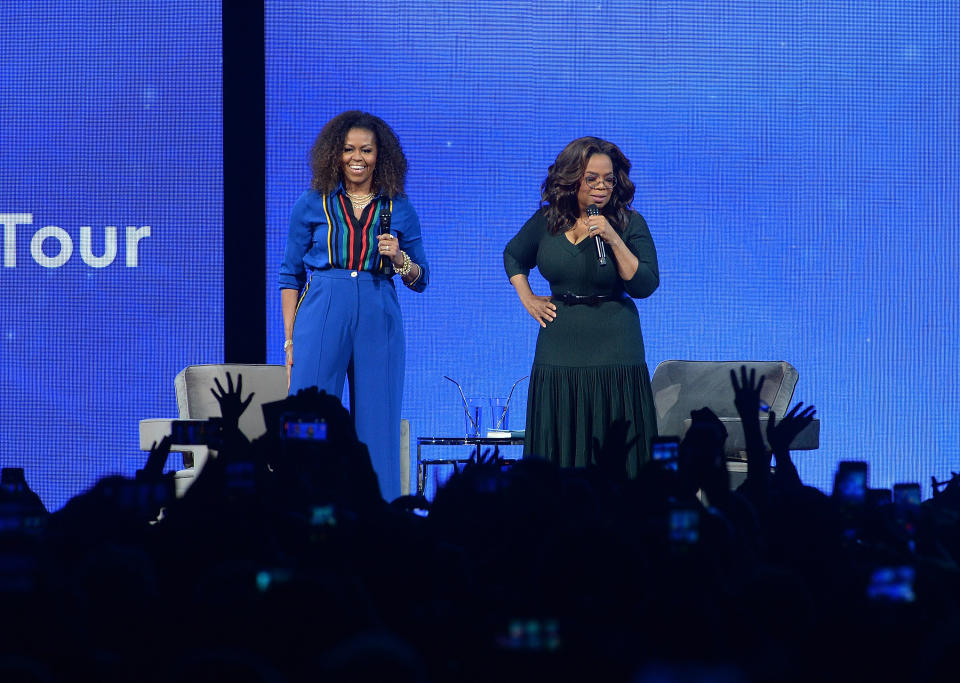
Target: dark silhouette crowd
x=283, y=563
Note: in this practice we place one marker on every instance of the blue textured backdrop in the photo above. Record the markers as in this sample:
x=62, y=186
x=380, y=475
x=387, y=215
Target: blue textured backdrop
x=110, y=116
x=797, y=163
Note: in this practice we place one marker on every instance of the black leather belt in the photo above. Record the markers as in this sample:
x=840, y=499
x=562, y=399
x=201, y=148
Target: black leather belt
x=592, y=300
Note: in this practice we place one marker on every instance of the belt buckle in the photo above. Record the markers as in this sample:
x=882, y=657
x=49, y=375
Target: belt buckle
x=571, y=299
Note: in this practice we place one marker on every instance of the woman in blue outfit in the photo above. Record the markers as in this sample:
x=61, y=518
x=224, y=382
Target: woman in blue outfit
x=341, y=316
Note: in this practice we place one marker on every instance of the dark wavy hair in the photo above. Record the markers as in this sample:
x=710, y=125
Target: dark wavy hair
x=325, y=156
x=558, y=193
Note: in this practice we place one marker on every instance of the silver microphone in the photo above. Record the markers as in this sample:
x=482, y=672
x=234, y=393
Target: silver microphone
x=594, y=210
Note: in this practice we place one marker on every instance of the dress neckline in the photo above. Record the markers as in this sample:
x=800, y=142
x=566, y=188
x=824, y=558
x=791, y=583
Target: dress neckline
x=571, y=247
x=581, y=240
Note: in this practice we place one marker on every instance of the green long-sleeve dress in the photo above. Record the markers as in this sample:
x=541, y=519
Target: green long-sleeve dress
x=589, y=371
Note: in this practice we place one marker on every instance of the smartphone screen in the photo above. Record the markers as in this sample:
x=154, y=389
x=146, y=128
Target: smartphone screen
x=323, y=515
x=194, y=432
x=304, y=428
x=684, y=526
x=531, y=635
x=892, y=584
x=850, y=483
x=906, y=494
x=241, y=476
x=665, y=449
x=144, y=496
x=267, y=578
x=12, y=479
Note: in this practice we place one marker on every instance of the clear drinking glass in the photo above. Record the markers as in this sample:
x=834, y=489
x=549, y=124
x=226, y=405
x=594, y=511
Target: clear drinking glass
x=499, y=413
x=473, y=416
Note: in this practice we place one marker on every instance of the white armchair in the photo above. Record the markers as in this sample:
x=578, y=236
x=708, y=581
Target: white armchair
x=195, y=402
x=680, y=386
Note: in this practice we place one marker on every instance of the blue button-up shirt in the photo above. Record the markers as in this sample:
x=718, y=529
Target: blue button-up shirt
x=321, y=237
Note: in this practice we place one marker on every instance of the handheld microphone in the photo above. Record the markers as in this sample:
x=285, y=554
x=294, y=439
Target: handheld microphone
x=386, y=265
x=594, y=210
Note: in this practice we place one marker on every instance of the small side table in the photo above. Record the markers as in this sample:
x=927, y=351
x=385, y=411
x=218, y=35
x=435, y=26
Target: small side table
x=476, y=441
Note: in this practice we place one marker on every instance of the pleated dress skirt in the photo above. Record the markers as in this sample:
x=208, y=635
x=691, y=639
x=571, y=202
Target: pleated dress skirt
x=589, y=390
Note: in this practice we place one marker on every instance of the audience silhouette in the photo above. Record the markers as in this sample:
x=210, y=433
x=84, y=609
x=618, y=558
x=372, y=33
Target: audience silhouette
x=283, y=563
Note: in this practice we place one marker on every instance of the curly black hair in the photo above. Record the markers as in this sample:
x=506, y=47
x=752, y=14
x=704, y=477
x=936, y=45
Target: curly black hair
x=325, y=155
x=558, y=193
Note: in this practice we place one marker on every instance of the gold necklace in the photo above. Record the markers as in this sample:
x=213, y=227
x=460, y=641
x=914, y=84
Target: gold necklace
x=360, y=201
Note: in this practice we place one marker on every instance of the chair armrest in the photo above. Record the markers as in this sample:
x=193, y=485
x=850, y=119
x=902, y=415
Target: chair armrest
x=807, y=440
x=151, y=431
x=155, y=429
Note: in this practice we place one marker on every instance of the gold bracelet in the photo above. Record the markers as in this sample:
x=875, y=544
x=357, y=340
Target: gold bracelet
x=406, y=266
x=287, y=344
x=414, y=280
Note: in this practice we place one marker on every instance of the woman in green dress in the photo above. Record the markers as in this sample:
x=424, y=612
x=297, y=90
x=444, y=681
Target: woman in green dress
x=589, y=386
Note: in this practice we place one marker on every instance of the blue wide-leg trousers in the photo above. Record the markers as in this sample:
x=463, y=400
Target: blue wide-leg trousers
x=349, y=315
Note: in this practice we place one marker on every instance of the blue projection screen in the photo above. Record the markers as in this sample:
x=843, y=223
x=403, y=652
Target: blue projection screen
x=111, y=213
x=797, y=163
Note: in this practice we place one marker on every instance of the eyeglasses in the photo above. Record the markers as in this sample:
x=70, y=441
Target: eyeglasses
x=594, y=181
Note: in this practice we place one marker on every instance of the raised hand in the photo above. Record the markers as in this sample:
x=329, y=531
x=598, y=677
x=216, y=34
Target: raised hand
x=781, y=434
x=746, y=392
x=157, y=460
x=746, y=396
x=231, y=405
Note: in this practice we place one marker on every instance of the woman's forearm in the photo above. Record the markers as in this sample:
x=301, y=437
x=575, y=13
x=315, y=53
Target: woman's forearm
x=522, y=285
x=288, y=305
x=627, y=263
